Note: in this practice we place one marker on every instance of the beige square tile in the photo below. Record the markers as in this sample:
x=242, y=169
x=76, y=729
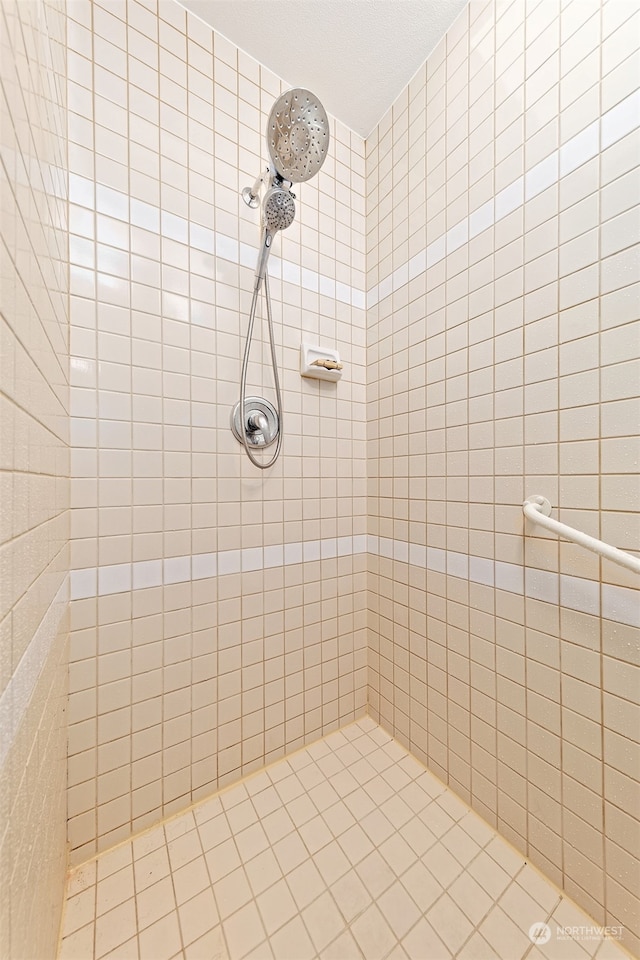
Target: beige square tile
x=222, y=860
x=78, y=945
x=343, y=946
x=398, y=854
x=190, y=880
x=116, y=927
x=423, y=941
x=154, y=902
x=471, y=898
x=305, y=883
x=263, y=871
x=198, y=916
x=276, y=906
x=232, y=892
x=80, y=910
x=243, y=931
x=331, y=862
x=211, y=944
x=398, y=909
x=129, y=950
x=505, y=933
x=449, y=922
x=373, y=934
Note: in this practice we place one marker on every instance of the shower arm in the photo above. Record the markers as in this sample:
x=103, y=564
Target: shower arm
x=251, y=195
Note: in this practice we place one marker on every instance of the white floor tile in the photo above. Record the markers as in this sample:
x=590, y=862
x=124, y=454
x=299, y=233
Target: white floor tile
x=80, y=910
x=323, y=921
x=276, y=906
x=305, y=883
x=82, y=878
x=78, y=945
x=223, y=859
x=150, y=868
x=398, y=854
x=470, y=897
x=232, y=892
x=418, y=836
x=292, y=942
x=115, y=927
x=350, y=850
x=356, y=844
x=476, y=948
x=315, y=834
x=375, y=873
x=263, y=871
x=243, y=931
x=212, y=944
x=422, y=886
x=373, y=934
x=126, y=951
x=450, y=923
x=343, y=948
x=162, y=939
x=155, y=902
x=190, y=880
x=114, y=889
x=351, y=895
x=537, y=887
x=377, y=827
x=198, y=916
x=505, y=934
x=423, y=941
x=290, y=852
x=331, y=862
x=338, y=819
x=183, y=849
x=398, y=909
x=251, y=841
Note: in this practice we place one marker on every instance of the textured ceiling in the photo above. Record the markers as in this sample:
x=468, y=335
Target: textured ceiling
x=355, y=55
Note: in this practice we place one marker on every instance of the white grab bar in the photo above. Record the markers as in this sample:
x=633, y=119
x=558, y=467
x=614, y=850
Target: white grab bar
x=538, y=509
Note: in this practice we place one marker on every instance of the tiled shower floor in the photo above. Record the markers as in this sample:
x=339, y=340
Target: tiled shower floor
x=347, y=849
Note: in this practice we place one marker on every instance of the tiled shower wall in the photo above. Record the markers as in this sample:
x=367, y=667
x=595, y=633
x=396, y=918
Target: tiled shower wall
x=34, y=476
x=502, y=352
x=218, y=614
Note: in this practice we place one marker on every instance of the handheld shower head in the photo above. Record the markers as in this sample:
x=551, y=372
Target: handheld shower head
x=279, y=209
x=298, y=141
x=278, y=212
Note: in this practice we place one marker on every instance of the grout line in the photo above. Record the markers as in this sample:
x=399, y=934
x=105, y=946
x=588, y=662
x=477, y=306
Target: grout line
x=618, y=603
x=516, y=194
x=199, y=803
x=378, y=773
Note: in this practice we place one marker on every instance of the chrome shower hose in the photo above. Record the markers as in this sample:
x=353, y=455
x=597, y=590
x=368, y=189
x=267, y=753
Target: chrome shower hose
x=263, y=465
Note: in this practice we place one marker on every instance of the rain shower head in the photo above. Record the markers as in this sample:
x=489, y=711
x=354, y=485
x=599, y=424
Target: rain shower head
x=297, y=135
x=298, y=141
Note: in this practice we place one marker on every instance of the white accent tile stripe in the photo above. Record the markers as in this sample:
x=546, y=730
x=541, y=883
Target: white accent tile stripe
x=156, y=220
x=621, y=604
x=122, y=577
x=602, y=133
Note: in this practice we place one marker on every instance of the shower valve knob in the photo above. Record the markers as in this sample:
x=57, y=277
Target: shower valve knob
x=260, y=424
x=257, y=422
